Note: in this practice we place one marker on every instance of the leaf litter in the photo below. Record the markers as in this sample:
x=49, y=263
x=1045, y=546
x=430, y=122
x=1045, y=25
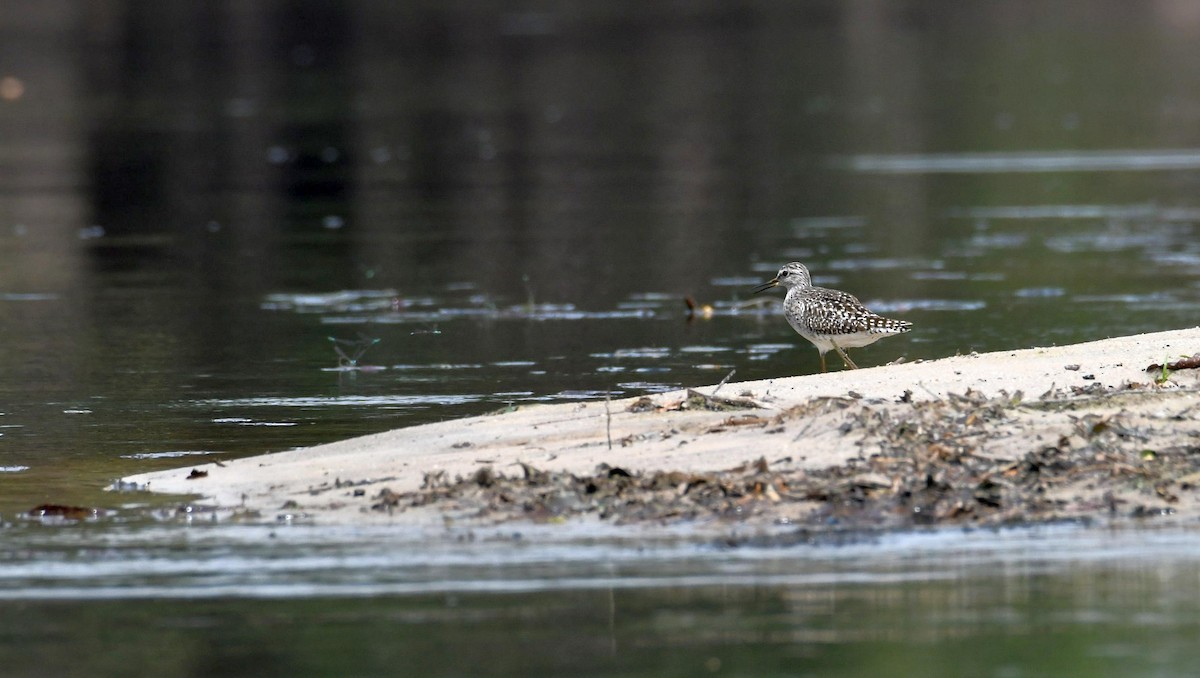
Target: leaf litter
x=968, y=460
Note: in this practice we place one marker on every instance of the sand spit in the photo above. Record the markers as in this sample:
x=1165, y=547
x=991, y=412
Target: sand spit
x=1067, y=432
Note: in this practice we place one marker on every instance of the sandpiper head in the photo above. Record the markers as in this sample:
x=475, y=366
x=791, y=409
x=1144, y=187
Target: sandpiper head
x=791, y=275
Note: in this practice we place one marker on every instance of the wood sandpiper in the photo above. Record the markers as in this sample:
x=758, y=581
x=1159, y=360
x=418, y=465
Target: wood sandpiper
x=830, y=319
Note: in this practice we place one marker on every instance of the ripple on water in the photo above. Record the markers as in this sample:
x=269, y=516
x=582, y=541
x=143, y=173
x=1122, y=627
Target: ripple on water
x=883, y=264
x=439, y=366
x=797, y=253
x=735, y=281
x=170, y=454
x=1108, y=242
x=1177, y=258
x=640, y=306
x=1155, y=298
x=827, y=223
x=758, y=351
x=647, y=352
x=998, y=241
x=902, y=305
x=649, y=386
x=1023, y=161
x=938, y=275
x=244, y=421
x=27, y=296
x=344, y=300
x=1040, y=212
x=386, y=307
x=654, y=296
x=336, y=401
x=255, y=562
x=582, y=394
x=1039, y=292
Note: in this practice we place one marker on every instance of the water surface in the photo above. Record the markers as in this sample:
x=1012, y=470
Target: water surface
x=209, y=212
x=296, y=600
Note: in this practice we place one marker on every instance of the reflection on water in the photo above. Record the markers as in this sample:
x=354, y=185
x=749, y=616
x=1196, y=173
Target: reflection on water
x=207, y=600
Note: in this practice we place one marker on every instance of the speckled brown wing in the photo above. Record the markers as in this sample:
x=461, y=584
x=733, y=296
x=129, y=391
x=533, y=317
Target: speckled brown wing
x=833, y=312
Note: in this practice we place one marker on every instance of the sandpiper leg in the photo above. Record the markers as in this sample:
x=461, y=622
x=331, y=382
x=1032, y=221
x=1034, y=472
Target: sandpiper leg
x=845, y=358
x=823, y=368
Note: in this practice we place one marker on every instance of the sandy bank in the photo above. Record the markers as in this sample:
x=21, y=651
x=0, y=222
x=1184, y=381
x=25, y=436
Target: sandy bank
x=1036, y=434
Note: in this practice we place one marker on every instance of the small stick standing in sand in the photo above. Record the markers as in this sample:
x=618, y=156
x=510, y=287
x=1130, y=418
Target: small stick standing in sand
x=830, y=319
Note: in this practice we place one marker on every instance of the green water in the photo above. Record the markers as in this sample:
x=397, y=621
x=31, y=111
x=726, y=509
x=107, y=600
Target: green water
x=508, y=204
x=547, y=601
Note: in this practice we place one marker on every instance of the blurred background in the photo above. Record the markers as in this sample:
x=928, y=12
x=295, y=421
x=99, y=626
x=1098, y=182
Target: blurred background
x=236, y=227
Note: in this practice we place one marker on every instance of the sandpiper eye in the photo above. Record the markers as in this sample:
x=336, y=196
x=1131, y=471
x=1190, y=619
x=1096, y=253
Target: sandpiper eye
x=783, y=274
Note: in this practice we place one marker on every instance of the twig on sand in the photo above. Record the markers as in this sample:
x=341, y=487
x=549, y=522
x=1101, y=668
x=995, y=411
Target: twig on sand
x=1181, y=364
x=722, y=382
x=607, y=419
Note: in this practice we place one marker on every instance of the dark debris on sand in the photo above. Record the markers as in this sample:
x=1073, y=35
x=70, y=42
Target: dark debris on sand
x=962, y=460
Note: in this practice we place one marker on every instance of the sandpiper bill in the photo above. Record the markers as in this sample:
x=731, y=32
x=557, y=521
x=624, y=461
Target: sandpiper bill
x=830, y=319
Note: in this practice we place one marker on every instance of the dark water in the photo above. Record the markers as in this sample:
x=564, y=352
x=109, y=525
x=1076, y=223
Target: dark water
x=506, y=204
x=256, y=601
